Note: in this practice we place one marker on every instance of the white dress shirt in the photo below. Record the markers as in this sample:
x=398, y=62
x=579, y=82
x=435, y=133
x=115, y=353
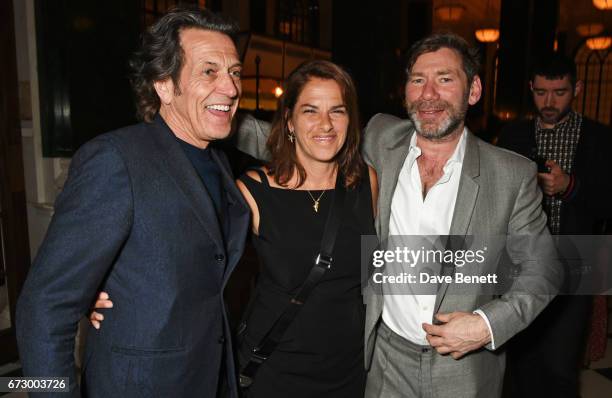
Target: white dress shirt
x=413, y=215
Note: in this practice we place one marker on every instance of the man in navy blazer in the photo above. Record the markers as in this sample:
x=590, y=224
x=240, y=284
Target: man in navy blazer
x=151, y=215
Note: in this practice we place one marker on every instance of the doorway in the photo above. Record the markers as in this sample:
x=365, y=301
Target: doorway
x=14, y=246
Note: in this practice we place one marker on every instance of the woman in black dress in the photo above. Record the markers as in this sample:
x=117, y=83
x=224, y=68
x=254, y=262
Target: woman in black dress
x=315, y=135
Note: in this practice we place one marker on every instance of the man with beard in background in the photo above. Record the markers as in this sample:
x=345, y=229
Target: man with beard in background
x=571, y=152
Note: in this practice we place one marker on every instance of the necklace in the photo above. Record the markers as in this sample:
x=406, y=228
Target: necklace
x=315, y=202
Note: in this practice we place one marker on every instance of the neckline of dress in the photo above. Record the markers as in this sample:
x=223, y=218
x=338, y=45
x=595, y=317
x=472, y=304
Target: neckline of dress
x=302, y=190
x=290, y=189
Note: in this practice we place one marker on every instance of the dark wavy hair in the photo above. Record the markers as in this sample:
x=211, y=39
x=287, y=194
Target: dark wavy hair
x=161, y=56
x=469, y=55
x=284, y=160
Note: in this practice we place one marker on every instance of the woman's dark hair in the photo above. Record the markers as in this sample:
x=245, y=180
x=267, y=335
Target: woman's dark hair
x=161, y=55
x=284, y=160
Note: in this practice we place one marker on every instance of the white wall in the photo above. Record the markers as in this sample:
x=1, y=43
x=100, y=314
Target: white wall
x=44, y=177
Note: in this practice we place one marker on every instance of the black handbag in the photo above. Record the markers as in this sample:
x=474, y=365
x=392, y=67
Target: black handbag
x=262, y=351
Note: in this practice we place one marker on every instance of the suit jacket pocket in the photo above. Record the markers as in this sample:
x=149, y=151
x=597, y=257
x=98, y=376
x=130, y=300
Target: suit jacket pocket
x=132, y=370
x=146, y=352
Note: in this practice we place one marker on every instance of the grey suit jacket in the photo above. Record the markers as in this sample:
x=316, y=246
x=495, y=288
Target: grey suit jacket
x=498, y=196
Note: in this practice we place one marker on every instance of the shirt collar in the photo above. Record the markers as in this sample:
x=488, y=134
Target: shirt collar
x=456, y=157
x=194, y=151
x=187, y=147
x=559, y=126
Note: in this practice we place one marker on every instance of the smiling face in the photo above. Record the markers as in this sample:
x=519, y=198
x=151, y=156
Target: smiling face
x=437, y=94
x=319, y=121
x=553, y=98
x=209, y=88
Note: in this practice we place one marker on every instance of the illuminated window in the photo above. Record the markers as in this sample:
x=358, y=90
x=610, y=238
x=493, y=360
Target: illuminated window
x=298, y=21
x=594, y=68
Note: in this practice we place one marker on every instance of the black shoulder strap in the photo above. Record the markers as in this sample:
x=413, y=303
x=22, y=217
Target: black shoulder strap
x=262, y=175
x=248, y=179
x=323, y=262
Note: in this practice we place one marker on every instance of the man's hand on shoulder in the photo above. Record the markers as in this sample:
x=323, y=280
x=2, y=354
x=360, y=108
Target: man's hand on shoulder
x=460, y=333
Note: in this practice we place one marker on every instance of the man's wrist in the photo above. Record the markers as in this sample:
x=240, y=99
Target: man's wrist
x=569, y=187
x=489, y=339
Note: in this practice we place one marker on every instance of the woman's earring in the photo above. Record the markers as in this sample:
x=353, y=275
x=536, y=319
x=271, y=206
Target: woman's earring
x=291, y=136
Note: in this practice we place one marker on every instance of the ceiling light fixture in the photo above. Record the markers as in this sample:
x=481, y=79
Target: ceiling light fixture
x=599, y=42
x=589, y=29
x=450, y=12
x=603, y=4
x=487, y=35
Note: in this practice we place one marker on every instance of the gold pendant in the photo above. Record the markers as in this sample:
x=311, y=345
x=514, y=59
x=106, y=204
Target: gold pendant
x=315, y=202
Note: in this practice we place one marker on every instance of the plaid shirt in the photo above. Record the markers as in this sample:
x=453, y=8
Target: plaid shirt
x=558, y=144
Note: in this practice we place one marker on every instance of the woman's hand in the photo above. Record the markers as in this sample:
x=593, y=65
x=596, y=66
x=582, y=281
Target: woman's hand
x=103, y=301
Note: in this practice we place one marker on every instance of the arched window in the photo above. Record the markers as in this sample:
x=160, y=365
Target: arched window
x=594, y=68
x=298, y=21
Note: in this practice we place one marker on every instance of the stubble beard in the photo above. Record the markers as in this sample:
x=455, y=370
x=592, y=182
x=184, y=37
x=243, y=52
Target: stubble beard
x=441, y=130
x=559, y=114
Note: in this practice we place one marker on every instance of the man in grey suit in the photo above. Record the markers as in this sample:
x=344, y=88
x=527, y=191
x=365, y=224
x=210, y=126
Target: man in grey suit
x=436, y=178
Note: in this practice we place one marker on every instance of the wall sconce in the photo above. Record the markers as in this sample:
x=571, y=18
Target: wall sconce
x=278, y=91
x=505, y=115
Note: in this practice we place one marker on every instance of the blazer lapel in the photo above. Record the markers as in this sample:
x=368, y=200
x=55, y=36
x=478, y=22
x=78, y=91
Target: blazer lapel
x=389, y=176
x=468, y=188
x=178, y=166
x=465, y=203
x=237, y=215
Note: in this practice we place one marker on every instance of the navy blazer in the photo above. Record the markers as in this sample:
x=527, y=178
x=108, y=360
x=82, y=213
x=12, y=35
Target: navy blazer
x=135, y=220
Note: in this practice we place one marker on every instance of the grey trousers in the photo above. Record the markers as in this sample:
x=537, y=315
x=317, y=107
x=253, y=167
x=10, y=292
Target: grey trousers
x=400, y=368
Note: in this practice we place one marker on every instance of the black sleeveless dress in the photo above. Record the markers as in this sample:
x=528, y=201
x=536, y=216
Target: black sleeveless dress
x=321, y=354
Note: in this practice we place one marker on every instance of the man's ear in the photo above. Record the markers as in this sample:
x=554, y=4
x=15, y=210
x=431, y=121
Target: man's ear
x=531, y=85
x=578, y=87
x=475, y=90
x=165, y=90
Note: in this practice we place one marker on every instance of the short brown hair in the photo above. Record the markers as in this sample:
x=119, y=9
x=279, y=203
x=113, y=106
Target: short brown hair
x=470, y=56
x=284, y=159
